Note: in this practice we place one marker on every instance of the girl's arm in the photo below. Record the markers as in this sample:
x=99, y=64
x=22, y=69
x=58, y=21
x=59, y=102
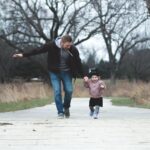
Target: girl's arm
x=102, y=85
x=86, y=82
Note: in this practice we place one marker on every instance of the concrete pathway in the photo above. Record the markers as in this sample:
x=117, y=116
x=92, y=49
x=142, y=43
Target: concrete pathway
x=118, y=128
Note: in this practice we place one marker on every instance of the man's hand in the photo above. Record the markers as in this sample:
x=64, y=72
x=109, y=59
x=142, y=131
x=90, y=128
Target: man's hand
x=18, y=55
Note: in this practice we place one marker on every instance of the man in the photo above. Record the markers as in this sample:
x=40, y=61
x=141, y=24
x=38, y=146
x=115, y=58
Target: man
x=64, y=64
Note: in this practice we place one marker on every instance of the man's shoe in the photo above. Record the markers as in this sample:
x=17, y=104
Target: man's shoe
x=60, y=116
x=67, y=113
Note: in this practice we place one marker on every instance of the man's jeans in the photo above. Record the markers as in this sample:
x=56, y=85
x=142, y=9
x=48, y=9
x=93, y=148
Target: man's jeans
x=66, y=79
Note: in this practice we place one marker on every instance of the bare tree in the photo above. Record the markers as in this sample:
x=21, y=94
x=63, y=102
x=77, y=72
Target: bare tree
x=26, y=24
x=91, y=58
x=37, y=21
x=6, y=66
x=120, y=22
x=136, y=64
x=148, y=5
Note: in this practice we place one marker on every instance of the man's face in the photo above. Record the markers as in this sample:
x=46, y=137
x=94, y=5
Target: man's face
x=66, y=45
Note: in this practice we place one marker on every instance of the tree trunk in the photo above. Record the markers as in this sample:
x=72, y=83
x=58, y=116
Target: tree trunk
x=113, y=77
x=148, y=5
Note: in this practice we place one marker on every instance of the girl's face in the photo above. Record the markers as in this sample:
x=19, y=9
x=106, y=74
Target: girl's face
x=94, y=78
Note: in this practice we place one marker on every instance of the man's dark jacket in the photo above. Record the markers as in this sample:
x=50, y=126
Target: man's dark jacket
x=53, y=58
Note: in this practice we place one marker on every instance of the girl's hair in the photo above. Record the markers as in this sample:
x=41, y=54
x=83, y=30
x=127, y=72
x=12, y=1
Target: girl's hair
x=94, y=71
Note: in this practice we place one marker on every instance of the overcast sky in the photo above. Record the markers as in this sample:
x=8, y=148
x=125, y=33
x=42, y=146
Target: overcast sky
x=94, y=44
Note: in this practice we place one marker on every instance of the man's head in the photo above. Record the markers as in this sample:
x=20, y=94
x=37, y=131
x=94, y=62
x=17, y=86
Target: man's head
x=66, y=42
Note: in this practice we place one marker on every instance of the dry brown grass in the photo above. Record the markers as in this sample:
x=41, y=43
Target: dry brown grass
x=138, y=91
x=34, y=90
x=24, y=91
x=79, y=89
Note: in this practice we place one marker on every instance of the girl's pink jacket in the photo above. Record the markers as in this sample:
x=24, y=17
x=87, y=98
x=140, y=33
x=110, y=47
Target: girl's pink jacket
x=96, y=88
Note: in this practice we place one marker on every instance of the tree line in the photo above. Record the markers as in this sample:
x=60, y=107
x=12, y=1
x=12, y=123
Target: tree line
x=120, y=23
x=135, y=66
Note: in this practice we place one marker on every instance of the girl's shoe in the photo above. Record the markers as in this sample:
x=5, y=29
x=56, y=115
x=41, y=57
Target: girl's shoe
x=96, y=112
x=95, y=116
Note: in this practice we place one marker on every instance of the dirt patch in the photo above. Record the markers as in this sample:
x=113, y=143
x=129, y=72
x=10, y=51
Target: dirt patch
x=40, y=123
x=5, y=124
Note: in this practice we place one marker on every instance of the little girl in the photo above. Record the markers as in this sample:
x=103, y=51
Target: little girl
x=96, y=87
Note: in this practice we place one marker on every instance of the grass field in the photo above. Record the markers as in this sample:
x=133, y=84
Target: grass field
x=124, y=101
x=20, y=105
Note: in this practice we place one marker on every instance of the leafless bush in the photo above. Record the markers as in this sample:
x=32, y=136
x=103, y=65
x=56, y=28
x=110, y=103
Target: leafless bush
x=24, y=91
x=139, y=91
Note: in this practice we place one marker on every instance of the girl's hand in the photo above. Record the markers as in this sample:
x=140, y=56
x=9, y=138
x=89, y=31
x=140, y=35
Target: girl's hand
x=102, y=86
x=85, y=78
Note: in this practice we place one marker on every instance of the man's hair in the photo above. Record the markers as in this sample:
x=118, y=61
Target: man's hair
x=66, y=38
